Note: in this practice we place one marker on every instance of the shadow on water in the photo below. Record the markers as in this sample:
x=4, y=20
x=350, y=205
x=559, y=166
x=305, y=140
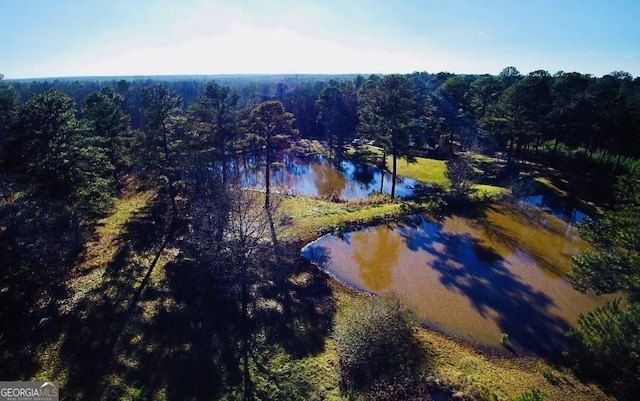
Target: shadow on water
x=480, y=273
x=520, y=310
x=463, y=280
x=551, y=242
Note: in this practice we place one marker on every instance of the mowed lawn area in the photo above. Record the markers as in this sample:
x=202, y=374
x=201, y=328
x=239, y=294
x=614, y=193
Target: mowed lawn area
x=424, y=169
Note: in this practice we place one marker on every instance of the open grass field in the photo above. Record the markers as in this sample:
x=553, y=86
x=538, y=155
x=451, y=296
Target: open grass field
x=432, y=170
x=423, y=169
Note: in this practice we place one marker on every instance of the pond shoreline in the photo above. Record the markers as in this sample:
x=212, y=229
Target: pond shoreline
x=481, y=348
x=546, y=315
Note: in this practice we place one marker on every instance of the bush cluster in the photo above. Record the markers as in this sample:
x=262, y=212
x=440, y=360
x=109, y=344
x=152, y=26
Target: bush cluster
x=375, y=343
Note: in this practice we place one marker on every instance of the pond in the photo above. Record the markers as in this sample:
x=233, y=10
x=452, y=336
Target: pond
x=473, y=277
x=316, y=175
x=557, y=207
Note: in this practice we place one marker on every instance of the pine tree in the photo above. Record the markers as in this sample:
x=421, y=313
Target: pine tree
x=165, y=131
x=387, y=115
x=273, y=128
x=610, y=335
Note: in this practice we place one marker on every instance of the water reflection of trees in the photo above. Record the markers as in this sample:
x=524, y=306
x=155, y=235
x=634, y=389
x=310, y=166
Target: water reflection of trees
x=328, y=181
x=364, y=175
x=316, y=175
x=297, y=165
x=376, y=252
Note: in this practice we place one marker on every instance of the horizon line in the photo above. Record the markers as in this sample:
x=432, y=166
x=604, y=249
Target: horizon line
x=260, y=74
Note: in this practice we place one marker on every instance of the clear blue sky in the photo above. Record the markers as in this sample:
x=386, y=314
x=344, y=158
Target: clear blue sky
x=52, y=38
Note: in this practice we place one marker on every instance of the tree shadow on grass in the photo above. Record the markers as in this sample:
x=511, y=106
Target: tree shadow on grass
x=575, y=184
x=185, y=339
x=296, y=311
x=91, y=329
x=294, y=307
x=184, y=336
x=37, y=245
x=364, y=155
x=176, y=336
x=22, y=328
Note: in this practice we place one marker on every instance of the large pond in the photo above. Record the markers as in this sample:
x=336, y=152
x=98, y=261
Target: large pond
x=316, y=175
x=473, y=277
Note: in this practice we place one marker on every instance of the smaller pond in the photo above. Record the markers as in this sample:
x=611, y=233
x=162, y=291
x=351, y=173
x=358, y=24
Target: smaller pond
x=316, y=175
x=556, y=207
x=472, y=277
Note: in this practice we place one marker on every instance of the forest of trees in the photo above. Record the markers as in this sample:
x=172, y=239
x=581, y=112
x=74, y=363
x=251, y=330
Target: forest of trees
x=518, y=114
x=69, y=147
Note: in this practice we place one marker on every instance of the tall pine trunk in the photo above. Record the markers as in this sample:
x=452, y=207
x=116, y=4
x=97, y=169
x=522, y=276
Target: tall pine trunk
x=510, y=150
x=267, y=184
x=168, y=163
x=382, y=168
x=554, y=154
x=267, y=172
x=246, y=374
x=393, y=177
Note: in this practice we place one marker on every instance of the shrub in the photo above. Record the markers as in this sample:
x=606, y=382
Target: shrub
x=461, y=174
x=375, y=342
x=533, y=395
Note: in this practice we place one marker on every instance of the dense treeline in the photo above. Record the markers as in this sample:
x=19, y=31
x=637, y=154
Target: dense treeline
x=68, y=149
x=521, y=115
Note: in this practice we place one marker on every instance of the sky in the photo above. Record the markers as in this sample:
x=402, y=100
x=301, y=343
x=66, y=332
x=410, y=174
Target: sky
x=62, y=38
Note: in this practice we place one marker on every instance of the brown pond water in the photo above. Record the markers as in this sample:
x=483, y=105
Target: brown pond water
x=472, y=277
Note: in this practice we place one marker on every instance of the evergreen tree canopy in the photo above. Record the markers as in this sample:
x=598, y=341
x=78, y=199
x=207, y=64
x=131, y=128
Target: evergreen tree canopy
x=613, y=265
x=107, y=119
x=387, y=114
x=272, y=128
x=610, y=335
x=61, y=154
x=337, y=112
x=8, y=110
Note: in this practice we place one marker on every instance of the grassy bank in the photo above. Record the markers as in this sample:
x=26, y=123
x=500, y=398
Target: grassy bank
x=306, y=218
x=423, y=169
